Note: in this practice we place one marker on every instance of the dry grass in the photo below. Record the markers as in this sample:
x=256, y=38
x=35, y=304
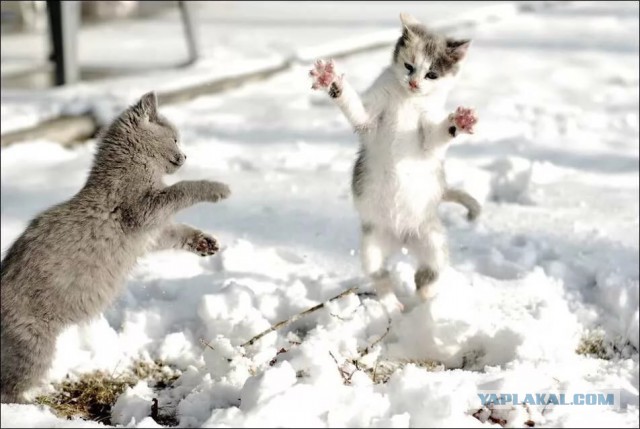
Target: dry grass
x=593, y=345
x=383, y=369
x=92, y=396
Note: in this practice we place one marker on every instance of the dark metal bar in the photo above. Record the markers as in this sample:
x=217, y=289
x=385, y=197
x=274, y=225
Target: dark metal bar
x=187, y=21
x=64, y=18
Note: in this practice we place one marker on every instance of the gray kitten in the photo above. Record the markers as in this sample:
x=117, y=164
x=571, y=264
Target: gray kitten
x=404, y=130
x=73, y=259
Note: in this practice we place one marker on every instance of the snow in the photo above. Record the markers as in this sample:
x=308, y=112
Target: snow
x=552, y=260
x=29, y=416
x=134, y=405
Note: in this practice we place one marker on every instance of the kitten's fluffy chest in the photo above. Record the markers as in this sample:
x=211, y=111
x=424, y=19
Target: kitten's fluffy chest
x=402, y=138
x=405, y=126
x=404, y=182
x=404, y=118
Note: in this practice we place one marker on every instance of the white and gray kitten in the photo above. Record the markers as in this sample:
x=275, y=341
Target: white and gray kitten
x=404, y=130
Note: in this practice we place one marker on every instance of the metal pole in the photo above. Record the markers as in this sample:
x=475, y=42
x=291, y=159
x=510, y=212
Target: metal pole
x=64, y=21
x=187, y=22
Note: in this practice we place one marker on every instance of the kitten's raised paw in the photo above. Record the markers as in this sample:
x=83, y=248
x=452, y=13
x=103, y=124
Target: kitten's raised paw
x=203, y=245
x=221, y=191
x=463, y=120
x=325, y=77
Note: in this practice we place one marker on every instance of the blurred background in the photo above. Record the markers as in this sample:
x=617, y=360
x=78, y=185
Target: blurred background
x=42, y=35
x=105, y=38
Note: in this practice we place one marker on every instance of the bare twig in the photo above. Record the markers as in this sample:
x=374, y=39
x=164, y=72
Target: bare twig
x=115, y=368
x=206, y=344
x=275, y=358
x=346, y=377
x=363, y=352
x=292, y=319
x=367, y=349
x=338, y=365
x=345, y=319
x=367, y=294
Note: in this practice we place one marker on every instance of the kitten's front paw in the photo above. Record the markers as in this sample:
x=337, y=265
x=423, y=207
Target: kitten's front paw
x=463, y=120
x=203, y=244
x=219, y=191
x=325, y=77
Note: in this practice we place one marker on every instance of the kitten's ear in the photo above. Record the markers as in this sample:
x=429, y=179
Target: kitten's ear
x=458, y=48
x=148, y=106
x=408, y=21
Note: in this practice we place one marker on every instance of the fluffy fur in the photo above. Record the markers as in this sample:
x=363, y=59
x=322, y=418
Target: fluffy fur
x=73, y=259
x=398, y=177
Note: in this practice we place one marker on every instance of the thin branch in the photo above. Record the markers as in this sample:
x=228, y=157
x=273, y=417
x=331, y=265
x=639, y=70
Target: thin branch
x=206, y=344
x=367, y=349
x=345, y=319
x=287, y=322
x=367, y=294
x=346, y=378
x=337, y=365
x=115, y=368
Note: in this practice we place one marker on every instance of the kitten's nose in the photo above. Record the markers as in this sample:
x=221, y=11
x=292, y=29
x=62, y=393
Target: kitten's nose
x=180, y=158
x=413, y=84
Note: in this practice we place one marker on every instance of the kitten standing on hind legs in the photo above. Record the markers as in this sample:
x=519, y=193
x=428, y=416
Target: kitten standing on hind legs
x=73, y=259
x=404, y=132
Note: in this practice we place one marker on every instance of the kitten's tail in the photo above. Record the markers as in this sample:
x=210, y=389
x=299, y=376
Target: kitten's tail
x=461, y=197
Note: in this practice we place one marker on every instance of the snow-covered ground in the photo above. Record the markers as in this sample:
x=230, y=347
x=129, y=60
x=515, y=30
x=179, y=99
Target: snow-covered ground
x=553, y=259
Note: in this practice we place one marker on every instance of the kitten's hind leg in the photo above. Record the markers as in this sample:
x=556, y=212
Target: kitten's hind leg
x=26, y=356
x=185, y=237
x=377, y=246
x=430, y=249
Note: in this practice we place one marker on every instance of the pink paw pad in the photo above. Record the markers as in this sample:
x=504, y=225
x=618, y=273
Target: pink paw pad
x=323, y=74
x=464, y=119
x=206, y=245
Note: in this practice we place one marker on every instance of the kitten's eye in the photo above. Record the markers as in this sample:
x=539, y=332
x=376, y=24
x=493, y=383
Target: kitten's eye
x=431, y=75
x=409, y=67
x=175, y=141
